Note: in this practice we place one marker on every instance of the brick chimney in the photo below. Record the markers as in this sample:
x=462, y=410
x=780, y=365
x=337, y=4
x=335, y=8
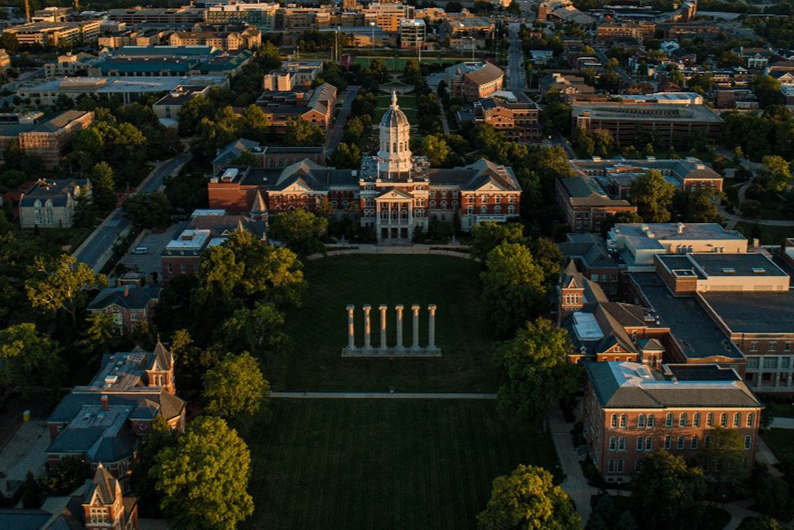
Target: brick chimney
x=126, y=291
x=104, y=400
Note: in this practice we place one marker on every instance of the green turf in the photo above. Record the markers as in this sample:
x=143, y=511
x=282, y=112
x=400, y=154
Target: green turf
x=377, y=464
x=397, y=64
x=781, y=442
x=319, y=328
x=769, y=235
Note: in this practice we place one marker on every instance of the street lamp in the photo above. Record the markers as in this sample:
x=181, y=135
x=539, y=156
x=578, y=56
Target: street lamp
x=372, y=42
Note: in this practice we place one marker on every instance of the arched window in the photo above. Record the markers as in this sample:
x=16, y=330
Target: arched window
x=611, y=466
x=470, y=210
x=707, y=441
x=696, y=419
x=694, y=443
x=649, y=443
x=484, y=210
x=668, y=442
x=748, y=442
x=497, y=209
x=613, y=443
x=432, y=204
x=641, y=421
x=751, y=419
x=640, y=443
x=443, y=205
x=710, y=419
x=511, y=210
x=614, y=421
x=724, y=419
x=682, y=419
x=737, y=419
x=624, y=420
x=651, y=420
x=681, y=443
x=669, y=422
x=622, y=443
x=497, y=199
x=621, y=465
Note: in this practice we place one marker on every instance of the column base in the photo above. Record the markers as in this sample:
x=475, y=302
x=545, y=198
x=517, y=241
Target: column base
x=391, y=352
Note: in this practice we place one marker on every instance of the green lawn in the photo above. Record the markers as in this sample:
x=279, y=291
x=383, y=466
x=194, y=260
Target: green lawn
x=781, y=442
x=769, y=235
x=383, y=464
x=319, y=328
x=397, y=64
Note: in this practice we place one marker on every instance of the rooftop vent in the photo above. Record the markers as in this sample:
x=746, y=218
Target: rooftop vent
x=728, y=270
x=759, y=270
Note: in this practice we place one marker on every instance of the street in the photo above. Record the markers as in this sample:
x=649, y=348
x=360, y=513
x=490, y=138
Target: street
x=97, y=249
x=515, y=68
x=338, y=131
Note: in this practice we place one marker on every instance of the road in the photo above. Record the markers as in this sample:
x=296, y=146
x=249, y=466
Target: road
x=515, y=67
x=338, y=131
x=626, y=78
x=96, y=250
x=14, y=85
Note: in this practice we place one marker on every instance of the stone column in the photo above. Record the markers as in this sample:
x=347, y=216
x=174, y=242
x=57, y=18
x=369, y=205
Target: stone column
x=367, y=328
x=415, y=309
x=431, y=328
x=383, y=345
x=351, y=335
x=399, y=310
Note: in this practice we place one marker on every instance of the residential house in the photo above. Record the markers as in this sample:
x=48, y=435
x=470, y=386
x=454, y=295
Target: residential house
x=52, y=203
x=128, y=304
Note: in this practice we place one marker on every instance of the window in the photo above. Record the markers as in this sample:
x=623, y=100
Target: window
x=707, y=441
x=754, y=345
x=98, y=515
x=694, y=443
x=668, y=442
x=710, y=419
x=669, y=422
x=651, y=420
x=786, y=346
x=484, y=210
x=770, y=362
x=649, y=443
x=611, y=466
x=681, y=442
x=621, y=466
x=622, y=443
x=737, y=419
x=772, y=345
x=623, y=421
x=748, y=442
x=785, y=362
x=470, y=210
x=696, y=419
x=640, y=443
x=497, y=199
x=724, y=419
x=613, y=443
x=682, y=419
x=751, y=419
x=641, y=421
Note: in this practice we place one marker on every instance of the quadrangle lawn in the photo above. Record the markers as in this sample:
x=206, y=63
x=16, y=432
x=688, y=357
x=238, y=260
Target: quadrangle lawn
x=319, y=328
x=383, y=464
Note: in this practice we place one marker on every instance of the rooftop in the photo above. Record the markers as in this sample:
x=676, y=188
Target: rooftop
x=648, y=235
x=646, y=112
x=749, y=312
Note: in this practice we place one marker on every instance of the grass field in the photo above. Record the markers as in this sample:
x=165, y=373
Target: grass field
x=769, y=235
x=397, y=64
x=383, y=464
x=407, y=104
x=781, y=442
x=319, y=328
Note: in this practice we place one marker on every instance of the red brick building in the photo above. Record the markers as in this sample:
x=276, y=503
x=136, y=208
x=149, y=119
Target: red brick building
x=631, y=410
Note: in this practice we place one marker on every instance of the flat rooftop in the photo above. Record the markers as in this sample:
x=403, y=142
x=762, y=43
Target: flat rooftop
x=647, y=112
x=696, y=333
x=122, y=84
x=755, y=265
x=639, y=233
x=749, y=312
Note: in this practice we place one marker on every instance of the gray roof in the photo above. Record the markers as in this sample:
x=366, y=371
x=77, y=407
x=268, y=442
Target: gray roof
x=234, y=150
x=632, y=385
x=751, y=312
x=57, y=191
x=136, y=298
x=585, y=191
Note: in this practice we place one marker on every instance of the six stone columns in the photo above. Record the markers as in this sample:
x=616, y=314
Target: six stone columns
x=399, y=310
x=383, y=345
x=367, y=329
x=351, y=334
x=432, y=327
x=415, y=309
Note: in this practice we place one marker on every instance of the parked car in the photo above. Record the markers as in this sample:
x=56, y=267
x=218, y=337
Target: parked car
x=140, y=250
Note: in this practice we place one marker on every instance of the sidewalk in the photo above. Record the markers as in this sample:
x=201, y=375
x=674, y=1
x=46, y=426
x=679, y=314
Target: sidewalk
x=575, y=483
x=380, y=395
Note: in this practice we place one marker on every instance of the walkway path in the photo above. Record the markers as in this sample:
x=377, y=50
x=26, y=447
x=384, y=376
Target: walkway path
x=782, y=423
x=575, y=483
x=454, y=250
x=444, y=123
x=380, y=395
x=336, y=134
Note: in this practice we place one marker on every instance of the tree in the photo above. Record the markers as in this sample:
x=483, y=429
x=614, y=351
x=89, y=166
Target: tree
x=653, y=196
x=626, y=521
x=528, y=499
x=84, y=211
x=762, y=523
x=68, y=474
x=256, y=330
x=412, y=74
x=236, y=387
x=219, y=274
x=436, y=149
x=767, y=90
x=751, y=208
x=160, y=436
x=253, y=124
x=488, y=235
x=535, y=370
x=101, y=332
x=777, y=171
x=345, y=156
x=513, y=287
x=191, y=362
x=61, y=283
x=203, y=479
x=103, y=186
x=148, y=210
x=701, y=206
x=661, y=475
x=549, y=256
x=32, y=494
x=302, y=133
x=300, y=231
x=725, y=458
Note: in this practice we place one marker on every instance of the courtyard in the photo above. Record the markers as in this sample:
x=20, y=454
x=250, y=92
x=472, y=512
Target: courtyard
x=319, y=328
x=368, y=463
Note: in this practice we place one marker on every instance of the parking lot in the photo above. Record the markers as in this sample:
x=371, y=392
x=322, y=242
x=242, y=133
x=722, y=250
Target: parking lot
x=155, y=243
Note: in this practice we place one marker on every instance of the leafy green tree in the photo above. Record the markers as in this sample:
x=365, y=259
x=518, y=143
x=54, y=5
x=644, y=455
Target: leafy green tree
x=549, y=256
x=302, y=133
x=253, y=124
x=85, y=211
x=258, y=330
x=66, y=476
x=203, y=480
x=354, y=130
x=777, y=171
x=767, y=90
x=513, y=287
x=191, y=362
x=160, y=436
x=300, y=230
x=32, y=493
x=345, y=156
x=761, y=523
x=219, y=274
x=661, y=475
x=100, y=334
x=702, y=207
x=725, y=458
x=626, y=521
x=653, y=196
x=583, y=142
x=488, y=235
x=61, y=283
x=535, y=371
x=436, y=149
x=236, y=387
x=148, y=210
x=412, y=74
x=751, y=208
x=528, y=499
x=103, y=186
x=772, y=494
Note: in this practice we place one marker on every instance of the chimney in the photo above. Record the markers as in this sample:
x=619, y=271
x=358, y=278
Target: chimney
x=680, y=228
x=126, y=291
x=104, y=400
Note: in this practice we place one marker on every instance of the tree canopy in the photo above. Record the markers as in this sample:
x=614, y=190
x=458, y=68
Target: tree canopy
x=527, y=499
x=28, y=358
x=653, y=196
x=488, y=235
x=235, y=388
x=300, y=231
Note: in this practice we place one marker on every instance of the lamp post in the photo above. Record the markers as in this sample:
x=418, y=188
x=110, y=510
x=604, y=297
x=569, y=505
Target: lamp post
x=372, y=41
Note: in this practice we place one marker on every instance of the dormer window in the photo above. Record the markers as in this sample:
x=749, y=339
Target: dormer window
x=98, y=515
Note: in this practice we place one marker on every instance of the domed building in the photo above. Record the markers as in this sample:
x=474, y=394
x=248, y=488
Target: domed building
x=394, y=192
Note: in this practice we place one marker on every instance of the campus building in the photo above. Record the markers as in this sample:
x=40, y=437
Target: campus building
x=394, y=192
x=128, y=304
x=474, y=81
x=518, y=121
x=631, y=410
x=52, y=203
x=51, y=34
x=44, y=139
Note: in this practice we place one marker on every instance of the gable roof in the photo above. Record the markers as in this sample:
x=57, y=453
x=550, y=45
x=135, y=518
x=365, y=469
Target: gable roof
x=125, y=296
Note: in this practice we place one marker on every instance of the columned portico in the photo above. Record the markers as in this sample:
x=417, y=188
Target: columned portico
x=394, y=216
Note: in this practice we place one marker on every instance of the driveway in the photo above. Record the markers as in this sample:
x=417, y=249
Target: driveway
x=155, y=242
x=25, y=450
